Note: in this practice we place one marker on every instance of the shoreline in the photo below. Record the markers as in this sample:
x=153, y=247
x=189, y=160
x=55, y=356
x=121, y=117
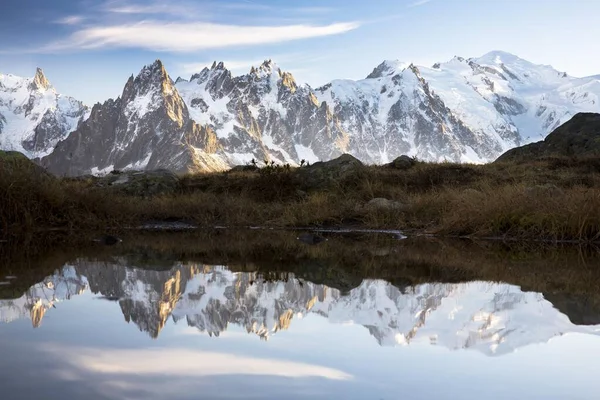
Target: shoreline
x=399, y=234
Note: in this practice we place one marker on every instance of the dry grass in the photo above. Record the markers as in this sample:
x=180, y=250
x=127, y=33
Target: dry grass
x=555, y=199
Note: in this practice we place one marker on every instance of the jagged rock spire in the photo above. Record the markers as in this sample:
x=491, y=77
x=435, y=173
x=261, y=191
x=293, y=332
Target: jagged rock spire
x=40, y=82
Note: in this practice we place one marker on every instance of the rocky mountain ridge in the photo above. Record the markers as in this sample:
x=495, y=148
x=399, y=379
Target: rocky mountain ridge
x=465, y=110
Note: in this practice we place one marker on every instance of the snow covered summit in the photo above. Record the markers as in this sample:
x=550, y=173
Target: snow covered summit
x=33, y=116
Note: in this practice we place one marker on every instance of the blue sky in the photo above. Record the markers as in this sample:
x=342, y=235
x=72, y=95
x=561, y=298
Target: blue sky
x=89, y=48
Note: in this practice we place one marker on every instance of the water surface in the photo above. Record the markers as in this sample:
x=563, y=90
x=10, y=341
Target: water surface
x=150, y=327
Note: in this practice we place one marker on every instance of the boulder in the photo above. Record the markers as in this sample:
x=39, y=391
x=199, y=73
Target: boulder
x=385, y=204
x=343, y=162
x=323, y=174
x=142, y=183
x=403, y=162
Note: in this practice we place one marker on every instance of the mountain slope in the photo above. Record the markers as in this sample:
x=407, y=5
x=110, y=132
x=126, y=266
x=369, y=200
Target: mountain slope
x=33, y=116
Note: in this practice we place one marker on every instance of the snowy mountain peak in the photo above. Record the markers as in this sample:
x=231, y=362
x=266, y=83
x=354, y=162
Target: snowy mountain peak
x=267, y=68
x=268, y=65
x=40, y=82
x=518, y=69
x=149, y=87
x=498, y=57
x=388, y=68
x=217, y=69
x=195, y=77
x=33, y=116
x=154, y=71
x=218, y=65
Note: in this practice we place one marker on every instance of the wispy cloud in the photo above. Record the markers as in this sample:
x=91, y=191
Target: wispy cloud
x=189, y=37
x=134, y=10
x=70, y=20
x=419, y=3
x=187, y=10
x=147, y=9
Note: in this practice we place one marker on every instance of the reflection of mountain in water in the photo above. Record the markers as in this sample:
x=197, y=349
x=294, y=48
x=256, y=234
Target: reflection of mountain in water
x=492, y=318
x=42, y=296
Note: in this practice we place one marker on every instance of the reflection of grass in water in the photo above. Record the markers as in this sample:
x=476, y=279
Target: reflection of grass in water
x=341, y=262
x=554, y=199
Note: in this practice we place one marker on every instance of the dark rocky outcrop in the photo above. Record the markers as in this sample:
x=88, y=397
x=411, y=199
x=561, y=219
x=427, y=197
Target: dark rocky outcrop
x=13, y=162
x=136, y=183
x=324, y=174
x=579, y=137
x=403, y=162
x=581, y=309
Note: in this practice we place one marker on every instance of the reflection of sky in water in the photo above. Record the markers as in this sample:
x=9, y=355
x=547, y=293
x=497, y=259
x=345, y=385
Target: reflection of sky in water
x=85, y=349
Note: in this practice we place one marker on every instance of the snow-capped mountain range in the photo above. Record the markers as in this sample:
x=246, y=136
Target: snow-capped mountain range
x=469, y=110
x=491, y=318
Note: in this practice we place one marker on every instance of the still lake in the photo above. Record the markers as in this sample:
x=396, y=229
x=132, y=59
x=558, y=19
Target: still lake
x=130, y=323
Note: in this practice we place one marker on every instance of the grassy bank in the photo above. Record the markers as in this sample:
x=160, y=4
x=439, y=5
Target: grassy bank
x=553, y=199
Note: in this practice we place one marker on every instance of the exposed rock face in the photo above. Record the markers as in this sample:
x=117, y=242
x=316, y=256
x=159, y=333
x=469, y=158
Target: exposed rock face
x=33, y=116
x=148, y=127
x=579, y=137
x=263, y=115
